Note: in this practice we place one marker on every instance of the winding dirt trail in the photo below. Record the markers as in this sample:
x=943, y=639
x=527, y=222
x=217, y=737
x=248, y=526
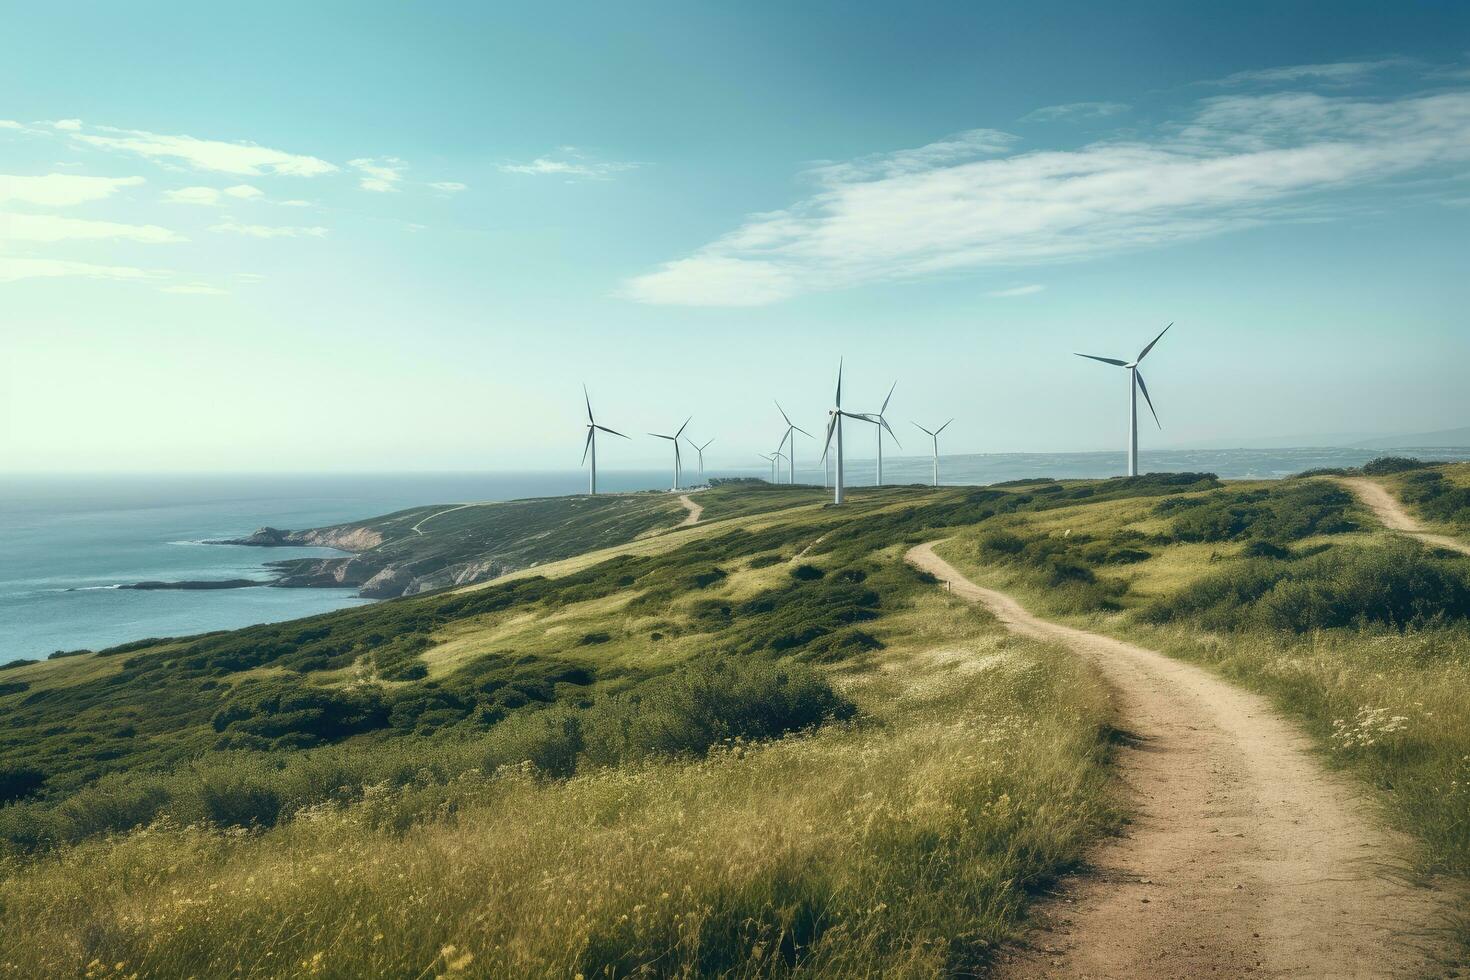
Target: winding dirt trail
x=694, y=509
x=1388, y=509
x=1245, y=857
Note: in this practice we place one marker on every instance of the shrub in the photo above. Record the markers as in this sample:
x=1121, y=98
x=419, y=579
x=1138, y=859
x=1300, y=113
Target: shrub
x=1399, y=586
x=1392, y=464
x=765, y=561
x=18, y=782
x=1280, y=514
x=807, y=573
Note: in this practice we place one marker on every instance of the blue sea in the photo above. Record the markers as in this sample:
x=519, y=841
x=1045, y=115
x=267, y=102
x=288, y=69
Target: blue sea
x=66, y=542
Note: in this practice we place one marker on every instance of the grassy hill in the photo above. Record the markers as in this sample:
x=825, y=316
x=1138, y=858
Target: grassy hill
x=760, y=745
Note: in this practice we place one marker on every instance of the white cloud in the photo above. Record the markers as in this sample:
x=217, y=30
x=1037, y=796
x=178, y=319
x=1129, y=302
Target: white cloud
x=13, y=269
x=53, y=228
x=1028, y=290
x=449, y=186
x=571, y=163
x=69, y=125
x=1078, y=110
x=243, y=159
x=1334, y=73
x=61, y=190
x=1238, y=161
x=294, y=203
x=380, y=175
x=194, y=289
x=961, y=146
x=244, y=192
x=268, y=231
x=10, y=124
x=207, y=196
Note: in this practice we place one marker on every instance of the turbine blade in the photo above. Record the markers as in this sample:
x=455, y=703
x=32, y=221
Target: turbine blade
x=587, y=446
x=803, y=431
x=885, y=400
x=589, y=404
x=827, y=444
x=660, y=435
x=784, y=416
x=1144, y=388
x=1105, y=360
x=942, y=427
x=705, y=446
x=1144, y=352
x=611, y=431
x=682, y=427
x=922, y=429
x=838, y=402
x=884, y=422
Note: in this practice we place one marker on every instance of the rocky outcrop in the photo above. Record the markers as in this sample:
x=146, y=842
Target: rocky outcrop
x=343, y=537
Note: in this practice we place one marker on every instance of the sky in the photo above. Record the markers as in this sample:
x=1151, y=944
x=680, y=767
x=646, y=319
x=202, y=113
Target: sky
x=387, y=236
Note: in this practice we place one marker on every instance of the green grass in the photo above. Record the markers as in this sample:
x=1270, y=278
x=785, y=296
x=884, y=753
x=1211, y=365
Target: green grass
x=836, y=771
x=1359, y=634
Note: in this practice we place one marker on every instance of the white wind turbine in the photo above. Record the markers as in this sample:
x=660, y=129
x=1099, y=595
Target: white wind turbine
x=834, y=427
x=700, y=451
x=791, y=431
x=675, y=440
x=1135, y=385
x=772, y=460
x=590, y=448
x=882, y=423
x=935, y=436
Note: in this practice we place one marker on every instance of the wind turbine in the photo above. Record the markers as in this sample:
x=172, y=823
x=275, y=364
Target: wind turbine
x=772, y=460
x=791, y=431
x=882, y=423
x=1135, y=385
x=935, y=436
x=834, y=427
x=590, y=448
x=675, y=440
x=700, y=450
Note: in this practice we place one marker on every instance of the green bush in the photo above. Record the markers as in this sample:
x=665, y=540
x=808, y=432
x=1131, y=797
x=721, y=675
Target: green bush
x=1285, y=513
x=1399, y=586
x=1384, y=465
x=18, y=782
x=807, y=573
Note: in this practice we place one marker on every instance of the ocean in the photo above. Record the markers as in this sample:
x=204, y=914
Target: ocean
x=67, y=542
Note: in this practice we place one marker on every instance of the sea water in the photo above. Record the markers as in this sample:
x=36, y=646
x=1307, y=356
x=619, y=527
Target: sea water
x=67, y=542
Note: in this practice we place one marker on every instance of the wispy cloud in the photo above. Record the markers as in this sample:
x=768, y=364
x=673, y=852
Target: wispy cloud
x=194, y=289
x=449, y=186
x=54, y=228
x=961, y=146
x=61, y=190
x=1333, y=73
x=380, y=175
x=1237, y=161
x=1077, y=110
x=1028, y=290
x=268, y=231
x=571, y=163
x=14, y=268
x=218, y=156
x=211, y=196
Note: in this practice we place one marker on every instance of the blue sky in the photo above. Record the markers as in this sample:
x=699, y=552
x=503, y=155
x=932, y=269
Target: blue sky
x=353, y=236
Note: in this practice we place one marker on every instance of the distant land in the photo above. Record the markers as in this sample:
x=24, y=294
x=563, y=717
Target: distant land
x=1419, y=440
x=1439, y=439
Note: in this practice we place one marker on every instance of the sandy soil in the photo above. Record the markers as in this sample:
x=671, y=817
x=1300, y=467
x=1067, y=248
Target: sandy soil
x=694, y=511
x=1245, y=857
x=1387, y=508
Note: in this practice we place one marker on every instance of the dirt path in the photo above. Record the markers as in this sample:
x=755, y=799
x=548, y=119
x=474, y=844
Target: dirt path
x=440, y=513
x=1245, y=858
x=694, y=511
x=1388, y=509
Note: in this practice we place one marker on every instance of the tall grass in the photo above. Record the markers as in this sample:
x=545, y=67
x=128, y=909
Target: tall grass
x=902, y=846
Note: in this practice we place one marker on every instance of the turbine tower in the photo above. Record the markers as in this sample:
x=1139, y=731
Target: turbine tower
x=791, y=431
x=590, y=447
x=700, y=451
x=882, y=423
x=1135, y=385
x=675, y=440
x=834, y=427
x=935, y=436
